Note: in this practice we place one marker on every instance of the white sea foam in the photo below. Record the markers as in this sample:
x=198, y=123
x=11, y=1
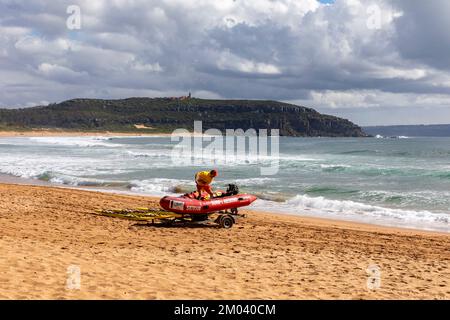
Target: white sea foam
x=58, y=168
x=157, y=186
x=149, y=154
x=334, y=166
x=248, y=181
x=77, y=141
x=351, y=210
x=44, y=173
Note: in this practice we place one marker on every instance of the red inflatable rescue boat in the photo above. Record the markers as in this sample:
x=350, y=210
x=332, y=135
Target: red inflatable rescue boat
x=189, y=205
x=223, y=201
x=224, y=205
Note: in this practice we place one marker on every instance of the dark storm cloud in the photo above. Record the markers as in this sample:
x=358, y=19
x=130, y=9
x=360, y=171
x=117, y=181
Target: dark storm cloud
x=423, y=32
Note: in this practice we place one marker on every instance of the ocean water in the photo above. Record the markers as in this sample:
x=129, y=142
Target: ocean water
x=396, y=182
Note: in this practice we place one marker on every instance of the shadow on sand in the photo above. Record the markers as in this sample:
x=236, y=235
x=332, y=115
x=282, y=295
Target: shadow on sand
x=175, y=225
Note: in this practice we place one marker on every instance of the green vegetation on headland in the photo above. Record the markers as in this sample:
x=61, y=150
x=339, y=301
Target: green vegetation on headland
x=157, y=115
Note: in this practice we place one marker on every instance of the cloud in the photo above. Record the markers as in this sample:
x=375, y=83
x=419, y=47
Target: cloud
x=347, y=55
x=60, y=73
x=422, y=32
x=233, y=63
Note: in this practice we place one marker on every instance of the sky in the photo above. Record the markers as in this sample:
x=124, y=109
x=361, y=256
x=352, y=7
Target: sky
x=373, y=62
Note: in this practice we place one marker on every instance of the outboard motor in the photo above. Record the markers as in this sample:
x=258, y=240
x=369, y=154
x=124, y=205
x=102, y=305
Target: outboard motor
x=232, y=190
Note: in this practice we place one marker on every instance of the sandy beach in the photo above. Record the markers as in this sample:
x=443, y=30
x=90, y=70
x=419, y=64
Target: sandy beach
x=46, y=230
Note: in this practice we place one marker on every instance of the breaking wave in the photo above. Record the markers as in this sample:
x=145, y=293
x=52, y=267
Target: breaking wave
x=77, y=141
x=355, y=211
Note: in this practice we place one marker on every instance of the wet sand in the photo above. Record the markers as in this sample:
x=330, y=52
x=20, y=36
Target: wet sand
x=47, y=231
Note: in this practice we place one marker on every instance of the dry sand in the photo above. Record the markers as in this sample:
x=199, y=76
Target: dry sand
x=44, y=230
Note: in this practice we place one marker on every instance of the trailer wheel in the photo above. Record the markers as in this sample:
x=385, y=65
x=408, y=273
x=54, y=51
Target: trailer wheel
x=226, y=222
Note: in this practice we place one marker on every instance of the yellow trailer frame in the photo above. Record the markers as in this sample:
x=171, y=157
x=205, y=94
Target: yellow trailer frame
x=139, y=214
x=224, y=219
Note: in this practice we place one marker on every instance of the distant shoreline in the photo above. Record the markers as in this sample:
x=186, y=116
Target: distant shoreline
x=67, y=133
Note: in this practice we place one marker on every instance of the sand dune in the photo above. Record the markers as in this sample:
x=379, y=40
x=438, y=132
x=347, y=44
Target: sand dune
x=46, y=230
